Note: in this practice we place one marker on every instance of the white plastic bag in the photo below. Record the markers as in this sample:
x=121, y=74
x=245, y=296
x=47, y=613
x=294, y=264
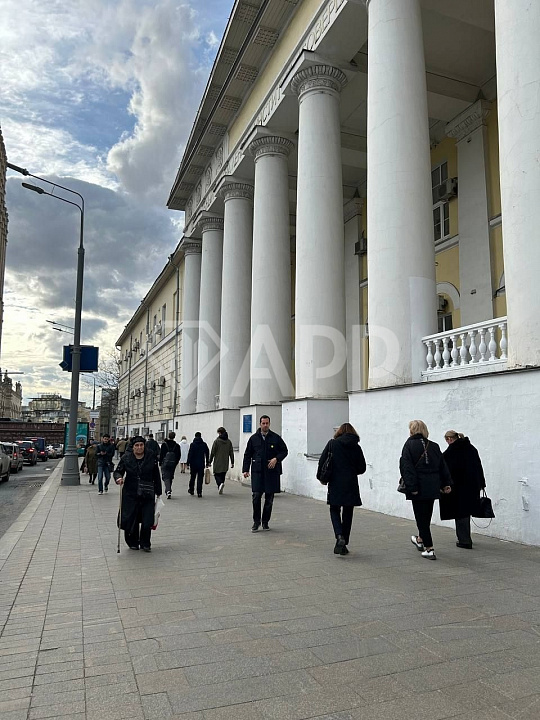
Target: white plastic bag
x=158, y=507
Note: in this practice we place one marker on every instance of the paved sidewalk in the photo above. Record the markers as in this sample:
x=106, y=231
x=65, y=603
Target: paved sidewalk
x=218, y=623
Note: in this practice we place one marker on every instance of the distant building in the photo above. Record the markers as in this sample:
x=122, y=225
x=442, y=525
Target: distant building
x=10, y=398
x=53, y=408
x=107, y=412
x=3, y=230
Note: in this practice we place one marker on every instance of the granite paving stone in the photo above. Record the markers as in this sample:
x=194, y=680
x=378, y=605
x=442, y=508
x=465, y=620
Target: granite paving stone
x=220, y=624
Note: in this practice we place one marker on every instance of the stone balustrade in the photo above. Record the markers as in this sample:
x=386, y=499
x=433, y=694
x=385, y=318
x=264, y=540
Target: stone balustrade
x=481, y=347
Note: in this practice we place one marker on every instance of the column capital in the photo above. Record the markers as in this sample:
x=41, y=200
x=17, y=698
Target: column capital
x=210, y=223
x=469, y=120
x=236, y=190
x=191, y=247
x=270, y=145
x=321, y=78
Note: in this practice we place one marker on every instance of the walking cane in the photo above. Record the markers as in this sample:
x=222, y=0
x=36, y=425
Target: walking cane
x=119, y=518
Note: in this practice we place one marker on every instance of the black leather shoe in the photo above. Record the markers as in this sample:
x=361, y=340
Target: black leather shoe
x=133, y=547
x=146, y=549
x=191, y=492
x=265, y=526
x=340, y=544
x=467, y=546
x=344, y=550
x=255, y=527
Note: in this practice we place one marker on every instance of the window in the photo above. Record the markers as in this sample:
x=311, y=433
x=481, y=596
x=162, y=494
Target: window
x=175, y=306
x=163, y=317
x=445, y=322
x=441, y=216
x=441, y=221
x=161, y=389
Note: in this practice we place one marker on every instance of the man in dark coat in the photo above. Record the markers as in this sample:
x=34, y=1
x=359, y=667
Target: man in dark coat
x=264, y=454
x=198, y=459
x=142, y=484
x=169, y=458
x=152, y=445
x=105, y=453
x=465, y=467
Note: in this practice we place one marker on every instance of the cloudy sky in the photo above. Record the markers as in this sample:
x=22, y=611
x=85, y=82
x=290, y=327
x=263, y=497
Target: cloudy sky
x=100, y=96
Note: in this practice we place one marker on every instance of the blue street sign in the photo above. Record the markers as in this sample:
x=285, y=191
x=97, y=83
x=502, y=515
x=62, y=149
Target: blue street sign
x=89, y=358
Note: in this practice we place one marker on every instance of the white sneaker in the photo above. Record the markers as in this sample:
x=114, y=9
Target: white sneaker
x=168, y=496
x=100, y=492
x=417, y=545
x=221, y=488
x=429, y=555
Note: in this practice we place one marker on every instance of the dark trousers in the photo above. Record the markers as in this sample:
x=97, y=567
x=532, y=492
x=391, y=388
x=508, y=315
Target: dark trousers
x=463, y=530
x=167, y=475
x=342, y=520
x=144, y=518
x=423, y=510
x=196, y=474
x=220, y=478
x=267, y=509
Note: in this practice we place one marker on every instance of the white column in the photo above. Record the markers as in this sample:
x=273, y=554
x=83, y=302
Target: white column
x=320, y=350
x=190, y=326
x=401, y=255
x=517, y=32
x=210, y=313
x=236, y=294
x=271, y=274
x=475, y=286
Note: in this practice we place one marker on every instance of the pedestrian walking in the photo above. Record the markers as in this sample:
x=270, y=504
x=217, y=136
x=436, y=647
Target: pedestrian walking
x=222, y=451
x=265, y=451
x=169, y=457
x=138, y=473
x=152, y=445
x=467, y=473
x=426, y=476
x=121, y=447
x=198, y=458
x=105, y=453
x=91, y=462
x=343, y=492
x=184, y=449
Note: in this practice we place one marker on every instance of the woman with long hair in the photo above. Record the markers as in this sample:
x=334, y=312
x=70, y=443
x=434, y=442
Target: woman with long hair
x=467, y=473
x=343, y=492
x=426, y=476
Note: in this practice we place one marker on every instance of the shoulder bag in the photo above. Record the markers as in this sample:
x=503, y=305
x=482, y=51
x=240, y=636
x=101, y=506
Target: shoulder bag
x=325, y=474
x=401, y=484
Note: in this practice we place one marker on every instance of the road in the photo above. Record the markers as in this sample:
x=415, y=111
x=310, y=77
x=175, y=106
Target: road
x=20, y=489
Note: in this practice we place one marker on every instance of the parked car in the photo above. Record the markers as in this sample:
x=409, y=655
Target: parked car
x=59, y=450
x=15, y=455
x=41, y=447
x=29, y=451
x=5, y=463
x=51, y=451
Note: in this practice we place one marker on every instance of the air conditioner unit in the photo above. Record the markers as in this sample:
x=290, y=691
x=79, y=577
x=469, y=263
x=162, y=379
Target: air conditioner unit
x=132, y=396
x=162, y=381
x=136, y=345
x=153, y=385
x=158, y=329
x=143, y=389
x=142, y=353
x=445, y=191
x=442, y=303
x=360, y=247
x=150, y=338
x=138, y=392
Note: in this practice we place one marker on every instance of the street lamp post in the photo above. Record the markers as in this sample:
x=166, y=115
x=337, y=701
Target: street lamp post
x=70, y=474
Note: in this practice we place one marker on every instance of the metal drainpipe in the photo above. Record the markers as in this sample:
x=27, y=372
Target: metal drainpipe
x=146, y=368
x=129, y=383
x=177, y=322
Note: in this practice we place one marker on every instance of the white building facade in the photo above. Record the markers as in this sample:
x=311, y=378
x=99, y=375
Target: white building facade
x=364, y=238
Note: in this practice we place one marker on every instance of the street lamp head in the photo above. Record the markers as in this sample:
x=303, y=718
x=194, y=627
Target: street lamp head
x=18, y=169
x=35, y=188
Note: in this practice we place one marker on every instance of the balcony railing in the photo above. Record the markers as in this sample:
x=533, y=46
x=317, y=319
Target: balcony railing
x=468, y=350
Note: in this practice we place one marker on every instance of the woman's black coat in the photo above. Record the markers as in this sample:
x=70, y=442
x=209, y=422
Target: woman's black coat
x=467, y=474
x=132, y=499
x=425, y=474
x=347, y=463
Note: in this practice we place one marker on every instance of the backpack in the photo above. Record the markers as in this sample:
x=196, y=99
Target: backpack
x=169, y=461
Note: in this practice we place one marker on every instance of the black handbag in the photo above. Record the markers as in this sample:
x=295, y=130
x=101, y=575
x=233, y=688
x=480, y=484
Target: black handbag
x=402, y=488
x=484, y=507
x=325, y=474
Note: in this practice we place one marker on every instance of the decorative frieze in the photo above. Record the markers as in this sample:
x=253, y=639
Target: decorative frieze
x=236, y=190
x=270, y=145
x=469, y=120
x=320, y=78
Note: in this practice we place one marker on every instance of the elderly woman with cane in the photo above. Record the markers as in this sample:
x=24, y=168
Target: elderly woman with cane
x=138, y=475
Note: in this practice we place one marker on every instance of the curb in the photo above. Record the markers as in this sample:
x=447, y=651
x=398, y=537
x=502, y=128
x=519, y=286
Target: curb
x=13, y=534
